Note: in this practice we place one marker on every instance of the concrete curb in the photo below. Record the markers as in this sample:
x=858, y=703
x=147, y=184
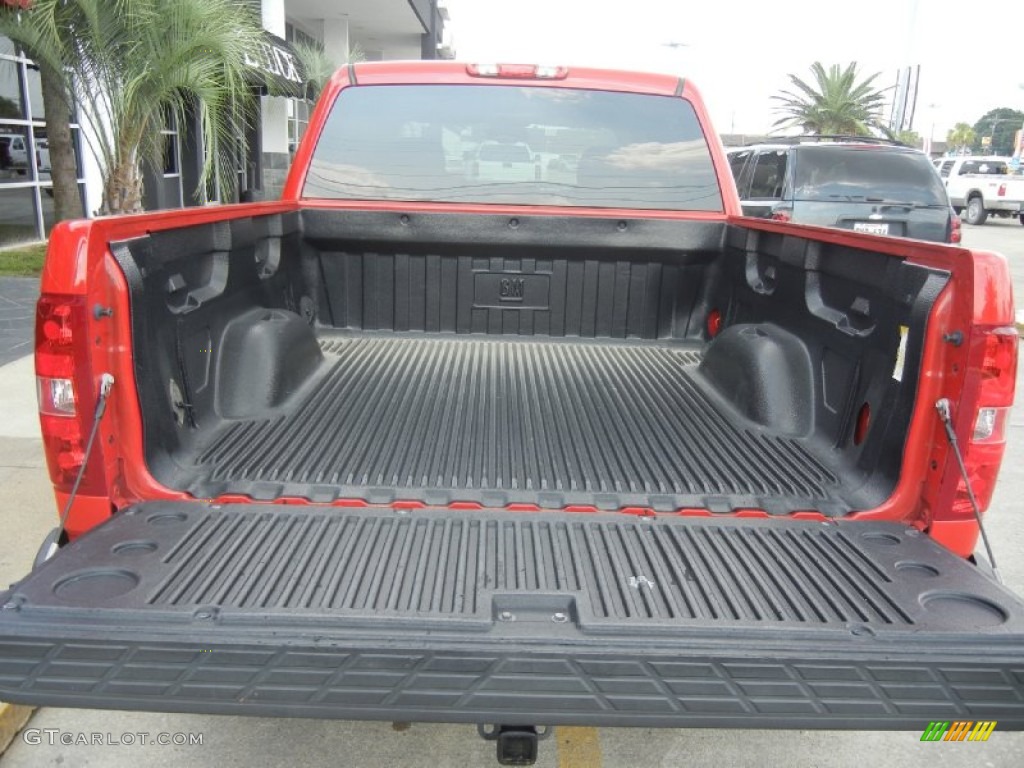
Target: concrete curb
x=22, y=244
x=12, y=719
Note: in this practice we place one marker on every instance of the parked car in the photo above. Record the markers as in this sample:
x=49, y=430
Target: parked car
x=983, y=186
x=882, y=188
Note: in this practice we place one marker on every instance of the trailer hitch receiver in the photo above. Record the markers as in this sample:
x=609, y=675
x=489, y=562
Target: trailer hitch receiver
x=514, y=744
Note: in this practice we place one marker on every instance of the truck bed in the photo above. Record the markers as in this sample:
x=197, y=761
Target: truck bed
x=347, y=355
x=498, y=422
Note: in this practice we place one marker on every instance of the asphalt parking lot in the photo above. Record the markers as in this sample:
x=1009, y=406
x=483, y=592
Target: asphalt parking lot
x=28, y=513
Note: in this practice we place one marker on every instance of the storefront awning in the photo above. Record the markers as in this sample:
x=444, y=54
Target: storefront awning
x=276, y=68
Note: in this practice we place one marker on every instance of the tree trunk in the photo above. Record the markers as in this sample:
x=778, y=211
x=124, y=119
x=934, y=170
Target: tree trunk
x=67, y=202
x=123, y=186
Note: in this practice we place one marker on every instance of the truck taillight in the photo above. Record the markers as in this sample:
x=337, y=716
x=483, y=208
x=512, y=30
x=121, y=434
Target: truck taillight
x=955, y=228
x=994, y=356
x=56, y=396
x=66, y=391
x=781, y=216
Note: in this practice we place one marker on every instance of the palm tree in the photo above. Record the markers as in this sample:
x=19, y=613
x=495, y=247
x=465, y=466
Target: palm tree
x=67, y=199
x=133, y=64
x=961, y=137
x=319, y=65
x=836, y=103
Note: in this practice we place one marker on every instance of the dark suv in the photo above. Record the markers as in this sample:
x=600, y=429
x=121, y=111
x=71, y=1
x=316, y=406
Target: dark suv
x=866, y=185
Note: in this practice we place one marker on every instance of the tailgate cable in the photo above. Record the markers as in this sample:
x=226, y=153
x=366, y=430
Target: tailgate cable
x=106, y=384
x=945, y=414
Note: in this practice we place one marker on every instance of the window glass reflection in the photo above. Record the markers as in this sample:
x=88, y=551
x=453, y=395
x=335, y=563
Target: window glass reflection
x=19, y=145
x=43, y=165
x=76, y=142
x=503, y=144
x=46, y=200
x=11, y=102
x=35, y=93
x=15, y=146
x=17, y=216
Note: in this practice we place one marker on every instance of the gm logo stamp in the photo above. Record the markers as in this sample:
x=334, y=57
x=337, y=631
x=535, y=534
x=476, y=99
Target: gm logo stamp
x=958, y=730
x=505, y=290
x=512, y=288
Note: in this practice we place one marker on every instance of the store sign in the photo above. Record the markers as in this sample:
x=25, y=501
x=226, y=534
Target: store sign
x=275, y=61
x=278, y=65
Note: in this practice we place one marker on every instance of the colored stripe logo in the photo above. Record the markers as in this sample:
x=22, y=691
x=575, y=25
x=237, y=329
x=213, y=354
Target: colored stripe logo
x=958, y=730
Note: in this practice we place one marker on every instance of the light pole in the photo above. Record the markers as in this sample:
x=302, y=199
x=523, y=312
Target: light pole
x=931, y=130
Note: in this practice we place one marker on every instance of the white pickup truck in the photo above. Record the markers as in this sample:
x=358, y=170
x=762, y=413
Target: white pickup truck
x=13, y=154
x=982, y=186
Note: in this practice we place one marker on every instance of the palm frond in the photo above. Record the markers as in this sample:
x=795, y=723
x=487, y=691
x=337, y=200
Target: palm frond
x=133, y=64
x=320, y=66
x=832, y=101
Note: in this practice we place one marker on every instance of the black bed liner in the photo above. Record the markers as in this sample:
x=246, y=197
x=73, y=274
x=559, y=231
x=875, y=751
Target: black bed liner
x=545, y=360
x=480, y=616
x=499, y=421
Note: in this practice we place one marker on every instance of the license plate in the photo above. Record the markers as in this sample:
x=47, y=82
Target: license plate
x=871, y=227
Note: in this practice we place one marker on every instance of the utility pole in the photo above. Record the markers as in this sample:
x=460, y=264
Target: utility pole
x=992, y=133
x=931, y=131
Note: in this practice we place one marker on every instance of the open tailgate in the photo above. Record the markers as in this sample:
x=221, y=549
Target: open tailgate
x=499, y=617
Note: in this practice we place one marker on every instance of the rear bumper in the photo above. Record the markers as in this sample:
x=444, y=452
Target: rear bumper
x=715, y=682
x=992, y=204
x=996, y=204
x=425, y=616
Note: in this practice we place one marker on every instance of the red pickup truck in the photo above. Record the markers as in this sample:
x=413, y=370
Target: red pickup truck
x=579, y=446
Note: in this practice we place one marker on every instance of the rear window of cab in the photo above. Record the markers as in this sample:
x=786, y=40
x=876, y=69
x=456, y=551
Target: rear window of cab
x=591, y=148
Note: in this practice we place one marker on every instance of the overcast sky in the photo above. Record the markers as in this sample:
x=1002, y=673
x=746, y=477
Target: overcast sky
x=738, y=52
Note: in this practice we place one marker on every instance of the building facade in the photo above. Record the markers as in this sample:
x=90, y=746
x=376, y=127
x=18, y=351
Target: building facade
x=363, y=29
x=371, y=30
x=26, y=192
